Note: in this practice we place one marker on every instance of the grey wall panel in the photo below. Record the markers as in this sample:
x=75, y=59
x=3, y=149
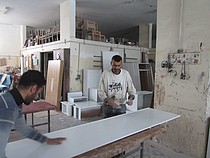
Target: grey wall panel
x=133, y=69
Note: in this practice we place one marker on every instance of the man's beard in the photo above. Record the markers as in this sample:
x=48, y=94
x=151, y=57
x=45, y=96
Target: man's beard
x=29, y=99
x=116, y=71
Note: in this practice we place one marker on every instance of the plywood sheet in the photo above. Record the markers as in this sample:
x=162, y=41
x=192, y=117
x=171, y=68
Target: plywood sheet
x=54, y=82
x=64, y=54
x=86, y=137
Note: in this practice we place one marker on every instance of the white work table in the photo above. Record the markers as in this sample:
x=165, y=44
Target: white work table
x=86, y=137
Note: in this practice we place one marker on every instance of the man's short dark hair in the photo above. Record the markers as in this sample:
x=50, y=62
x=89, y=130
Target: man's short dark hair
x=117, y=58
x=32, y=77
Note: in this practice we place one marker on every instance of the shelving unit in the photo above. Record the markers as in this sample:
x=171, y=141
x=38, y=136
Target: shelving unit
x=42, y=36
x=86, y=29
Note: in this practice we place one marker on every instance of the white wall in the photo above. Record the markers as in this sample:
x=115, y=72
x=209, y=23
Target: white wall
x=188, y=134
x=10, y=43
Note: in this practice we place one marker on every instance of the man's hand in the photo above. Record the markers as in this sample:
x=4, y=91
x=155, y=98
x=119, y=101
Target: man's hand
x=55, y=141
x=113, y=103
x=130, y=102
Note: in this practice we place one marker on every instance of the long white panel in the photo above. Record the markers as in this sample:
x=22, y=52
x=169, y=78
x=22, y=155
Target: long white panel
x=90, y=80
x=86, y=137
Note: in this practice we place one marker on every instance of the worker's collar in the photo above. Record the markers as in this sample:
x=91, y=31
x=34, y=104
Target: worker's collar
x=17, y=96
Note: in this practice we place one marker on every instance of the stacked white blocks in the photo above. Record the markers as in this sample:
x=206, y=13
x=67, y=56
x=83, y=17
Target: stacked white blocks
x=78, y=106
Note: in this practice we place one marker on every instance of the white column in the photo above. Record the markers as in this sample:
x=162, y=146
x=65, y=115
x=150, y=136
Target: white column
x=22, y=35
x=22, y=64
x=150, y=35
x=67, y=20
x=143, y=35
x=72, y=18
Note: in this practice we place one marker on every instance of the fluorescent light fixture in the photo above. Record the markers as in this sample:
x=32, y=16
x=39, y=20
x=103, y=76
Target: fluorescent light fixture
x=3, y=10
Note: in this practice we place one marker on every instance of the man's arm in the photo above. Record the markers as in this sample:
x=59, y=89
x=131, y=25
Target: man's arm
x=5, y=126
x=101, y=89
x=131, y=90
x=30, y=133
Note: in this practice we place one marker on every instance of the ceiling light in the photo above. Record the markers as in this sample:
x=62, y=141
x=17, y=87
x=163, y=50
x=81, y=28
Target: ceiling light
x=3, y=10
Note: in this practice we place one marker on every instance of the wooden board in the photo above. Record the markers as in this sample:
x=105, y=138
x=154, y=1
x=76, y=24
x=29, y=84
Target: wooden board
x=89, y=136
x=54, y=82
x=64, y=54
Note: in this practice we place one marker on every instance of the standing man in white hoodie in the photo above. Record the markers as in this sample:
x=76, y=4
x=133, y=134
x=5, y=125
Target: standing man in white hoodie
x=114, y=85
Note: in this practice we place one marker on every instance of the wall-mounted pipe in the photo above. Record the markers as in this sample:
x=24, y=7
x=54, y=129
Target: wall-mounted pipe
x=180, y=24
x=150, y=35
x=22, y=64
x=78, y=63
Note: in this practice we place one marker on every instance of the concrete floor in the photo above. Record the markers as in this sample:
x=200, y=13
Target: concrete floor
x=152, y=149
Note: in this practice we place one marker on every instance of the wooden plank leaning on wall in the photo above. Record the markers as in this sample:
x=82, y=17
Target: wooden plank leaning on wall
x=54, y=82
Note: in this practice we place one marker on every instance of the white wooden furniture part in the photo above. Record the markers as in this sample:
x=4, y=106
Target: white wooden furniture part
x=76, y=97
x=87, y=137
x=143, y=99
x=85, y=108
x=67, y=108
x=93, y=95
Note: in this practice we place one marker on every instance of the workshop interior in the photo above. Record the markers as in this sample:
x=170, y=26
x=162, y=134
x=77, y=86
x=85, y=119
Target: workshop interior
x=164, y=47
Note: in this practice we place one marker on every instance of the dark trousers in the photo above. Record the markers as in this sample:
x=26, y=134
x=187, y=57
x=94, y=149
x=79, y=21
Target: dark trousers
x=109, y=111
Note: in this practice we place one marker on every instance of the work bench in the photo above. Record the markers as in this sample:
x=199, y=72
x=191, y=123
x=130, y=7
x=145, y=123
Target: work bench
x=135, y=141
x=103, y=138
